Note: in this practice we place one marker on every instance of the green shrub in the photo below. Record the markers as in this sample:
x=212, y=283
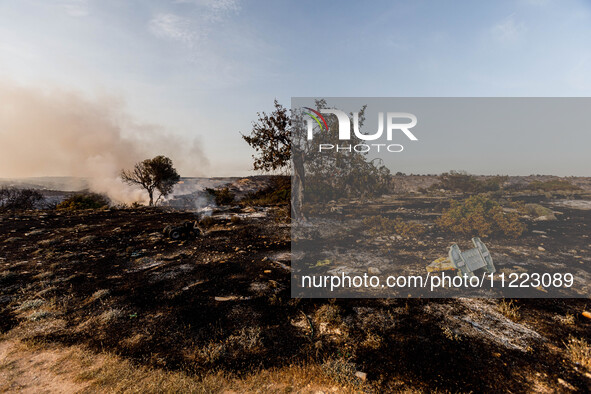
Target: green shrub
x=380, y=225
x=84, y=201
x=481, y=216
x=222, y=196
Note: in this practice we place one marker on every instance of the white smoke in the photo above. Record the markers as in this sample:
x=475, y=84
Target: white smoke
x=62, y=133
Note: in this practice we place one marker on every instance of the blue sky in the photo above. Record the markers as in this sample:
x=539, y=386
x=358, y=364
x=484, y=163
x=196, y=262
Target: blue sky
x=205, y=67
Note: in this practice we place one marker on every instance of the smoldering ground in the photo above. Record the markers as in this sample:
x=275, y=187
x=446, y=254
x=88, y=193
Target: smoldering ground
x=54, y=132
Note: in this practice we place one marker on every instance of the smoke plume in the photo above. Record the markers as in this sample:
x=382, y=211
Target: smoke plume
x=62, y=133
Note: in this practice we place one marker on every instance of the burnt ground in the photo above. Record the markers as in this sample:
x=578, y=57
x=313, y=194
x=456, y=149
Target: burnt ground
x=337, y=234
x=110, y=281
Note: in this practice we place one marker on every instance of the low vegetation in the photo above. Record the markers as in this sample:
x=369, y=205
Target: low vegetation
x=579, y=351
x=509, y=309
x=480, y=216
x=84, y=201
x=221, y=195
x=380, y=225
x=459, y=181
x=553, y=185
x=277, y=193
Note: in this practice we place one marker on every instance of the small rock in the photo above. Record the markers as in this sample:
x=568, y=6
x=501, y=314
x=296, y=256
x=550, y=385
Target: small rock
x=566, y=384
x=231, y=298
x=373, y=271
x=541, y=249
x=35, y=232
x=361, y=375
x=88, y=238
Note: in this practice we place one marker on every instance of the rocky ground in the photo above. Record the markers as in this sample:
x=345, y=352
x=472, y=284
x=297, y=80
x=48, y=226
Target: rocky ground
x=107, y=282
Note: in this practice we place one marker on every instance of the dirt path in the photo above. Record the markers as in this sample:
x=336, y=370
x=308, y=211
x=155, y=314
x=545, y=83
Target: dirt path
x=50, y=368
x=26, y=371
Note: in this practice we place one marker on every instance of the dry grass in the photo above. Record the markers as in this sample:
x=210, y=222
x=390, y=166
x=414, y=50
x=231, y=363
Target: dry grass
x=328, y=313
x=88, y=372
x=341, y=371
x=509, y=309
x=568, y=319
x=579, y=351
x=383, y=226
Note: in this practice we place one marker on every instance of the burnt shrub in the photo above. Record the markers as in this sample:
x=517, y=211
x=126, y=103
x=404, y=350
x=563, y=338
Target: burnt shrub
x=221, y=195
x=83, y=201
x=481, y=216
x=12, y=198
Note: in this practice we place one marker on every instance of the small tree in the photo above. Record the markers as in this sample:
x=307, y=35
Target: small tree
x=281, y=144
x=155, y=174
x=271, y=139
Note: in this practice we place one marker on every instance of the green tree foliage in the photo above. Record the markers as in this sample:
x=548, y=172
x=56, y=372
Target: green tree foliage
x=280, y=143
x=153, y=175
x=271, y=139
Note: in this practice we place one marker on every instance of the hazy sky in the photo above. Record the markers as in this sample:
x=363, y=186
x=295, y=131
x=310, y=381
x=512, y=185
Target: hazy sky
x=205, y=67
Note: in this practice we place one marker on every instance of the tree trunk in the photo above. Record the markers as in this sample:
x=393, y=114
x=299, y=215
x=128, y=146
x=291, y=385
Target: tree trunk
x=297, y=186
x=151, y=194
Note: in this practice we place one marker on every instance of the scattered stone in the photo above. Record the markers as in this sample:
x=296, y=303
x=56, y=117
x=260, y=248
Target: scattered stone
x=35, y=232
x=193, y=285
x=338, y=271
x=361, y=375
x=31, y=304
x=102, y=293
x=231, y=298
x=36, y=316
x=566, y=384
x=374, y=271
x=541, y=249
x=88, y=238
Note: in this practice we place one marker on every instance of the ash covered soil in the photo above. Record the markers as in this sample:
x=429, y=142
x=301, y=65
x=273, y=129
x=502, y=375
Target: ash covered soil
x=110, y=281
